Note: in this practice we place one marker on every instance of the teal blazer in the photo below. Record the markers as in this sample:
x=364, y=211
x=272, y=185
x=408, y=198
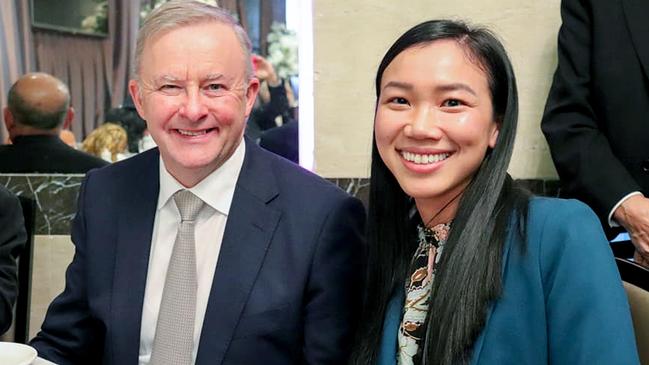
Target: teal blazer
x=562, y=300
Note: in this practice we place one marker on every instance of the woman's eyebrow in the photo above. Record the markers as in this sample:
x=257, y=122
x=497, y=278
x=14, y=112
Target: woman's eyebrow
x=398, y=85
x=454, y=87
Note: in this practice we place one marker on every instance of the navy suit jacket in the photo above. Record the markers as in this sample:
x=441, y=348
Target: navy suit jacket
x=12, y=241
x=286, y=287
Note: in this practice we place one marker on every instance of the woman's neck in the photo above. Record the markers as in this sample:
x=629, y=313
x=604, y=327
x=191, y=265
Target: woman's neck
x=434, y=211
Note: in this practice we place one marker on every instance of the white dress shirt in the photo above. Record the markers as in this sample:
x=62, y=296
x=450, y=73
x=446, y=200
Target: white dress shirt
x=611, y=221
x=216, y=190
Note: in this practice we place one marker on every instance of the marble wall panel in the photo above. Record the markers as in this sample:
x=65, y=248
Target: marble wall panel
x=55, y=197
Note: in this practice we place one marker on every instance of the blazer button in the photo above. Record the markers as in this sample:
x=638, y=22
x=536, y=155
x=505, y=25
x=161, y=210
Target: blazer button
x=645, y=166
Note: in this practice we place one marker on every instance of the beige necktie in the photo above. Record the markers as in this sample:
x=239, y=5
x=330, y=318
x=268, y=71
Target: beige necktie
x=174, y=336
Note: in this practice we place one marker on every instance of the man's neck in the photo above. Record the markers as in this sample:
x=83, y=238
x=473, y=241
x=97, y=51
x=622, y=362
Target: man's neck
x=24, y=131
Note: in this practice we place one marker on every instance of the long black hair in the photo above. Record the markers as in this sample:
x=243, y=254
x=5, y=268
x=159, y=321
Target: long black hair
x=468, y=277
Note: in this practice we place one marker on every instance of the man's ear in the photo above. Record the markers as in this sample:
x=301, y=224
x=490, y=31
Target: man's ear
x=251, y=94
x=134, y=90
x=69, y=117
x=8, y=118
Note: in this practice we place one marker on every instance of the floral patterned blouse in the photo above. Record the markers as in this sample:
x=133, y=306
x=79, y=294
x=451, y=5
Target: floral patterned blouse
x=418, y=288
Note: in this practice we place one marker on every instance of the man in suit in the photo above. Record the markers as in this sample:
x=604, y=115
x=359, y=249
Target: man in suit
x=269, y=270
x=597, y=114
x=12, y=240
x=38, y=108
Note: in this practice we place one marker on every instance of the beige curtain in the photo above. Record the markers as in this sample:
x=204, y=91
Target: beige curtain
x=96, y=69
x=16, y=50
x=80, y=63
x=124, y=25
x=237, y=7
x=269, y=11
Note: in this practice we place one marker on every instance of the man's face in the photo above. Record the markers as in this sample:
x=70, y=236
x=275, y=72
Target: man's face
x=195, y=96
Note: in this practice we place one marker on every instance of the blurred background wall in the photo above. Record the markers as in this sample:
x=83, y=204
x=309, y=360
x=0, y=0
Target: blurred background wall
x=350, y=39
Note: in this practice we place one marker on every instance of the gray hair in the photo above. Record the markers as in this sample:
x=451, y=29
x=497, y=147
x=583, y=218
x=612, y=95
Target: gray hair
x=179, y=13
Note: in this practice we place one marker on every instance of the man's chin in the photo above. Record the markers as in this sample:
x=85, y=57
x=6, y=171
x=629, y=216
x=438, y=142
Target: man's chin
x=187, y=163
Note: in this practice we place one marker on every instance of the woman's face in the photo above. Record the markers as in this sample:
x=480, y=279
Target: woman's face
x=434, y=122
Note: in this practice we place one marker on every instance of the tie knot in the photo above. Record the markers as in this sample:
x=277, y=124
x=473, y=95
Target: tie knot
x=188, y=204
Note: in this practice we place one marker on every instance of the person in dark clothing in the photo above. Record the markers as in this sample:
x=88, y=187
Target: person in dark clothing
x=12, y=240
x=128, y=119
x=272, y=103
x=38, y=107
x=596, y=118
x=282, y=141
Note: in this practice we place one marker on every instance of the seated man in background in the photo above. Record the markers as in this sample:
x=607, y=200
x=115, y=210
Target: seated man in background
x=38, y=107
x=12, y=240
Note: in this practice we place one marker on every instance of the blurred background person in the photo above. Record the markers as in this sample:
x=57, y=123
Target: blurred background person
x=282, y=141
x=273, y=105
x=126, y=117
x=38, y=107
x=68, y=138
x=12, y=240
x=108, y=142
x=596, y=117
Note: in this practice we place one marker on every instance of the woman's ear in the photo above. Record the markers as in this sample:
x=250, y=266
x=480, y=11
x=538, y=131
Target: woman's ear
x=493, y=134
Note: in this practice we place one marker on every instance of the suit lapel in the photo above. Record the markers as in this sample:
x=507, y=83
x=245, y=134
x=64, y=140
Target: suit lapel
x=137, y=213
x=637, y=13
x=247, y=235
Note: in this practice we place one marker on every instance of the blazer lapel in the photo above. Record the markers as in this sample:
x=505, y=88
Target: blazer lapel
x=248, y=233
x=137, y=213
x=637, y=13
x=387, y=354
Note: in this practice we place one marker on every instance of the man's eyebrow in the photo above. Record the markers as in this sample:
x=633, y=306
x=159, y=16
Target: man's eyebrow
x=454, y=87
x=398, y=85
x=166, y=78
x=172, y=79
x=213, y=77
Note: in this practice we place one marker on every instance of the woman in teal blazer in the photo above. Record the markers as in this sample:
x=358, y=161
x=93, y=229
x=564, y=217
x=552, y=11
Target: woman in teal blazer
x=465, y=267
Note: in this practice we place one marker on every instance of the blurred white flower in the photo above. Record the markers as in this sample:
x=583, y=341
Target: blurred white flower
x=97, y=22
x=282, y=50
x=146, y=8
x=89, y=22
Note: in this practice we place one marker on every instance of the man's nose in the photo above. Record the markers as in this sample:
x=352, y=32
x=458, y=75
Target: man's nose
x=425, y=124
x=193, y=108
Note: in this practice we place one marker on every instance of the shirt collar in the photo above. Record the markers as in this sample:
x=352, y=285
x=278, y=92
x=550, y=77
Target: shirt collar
x=216, y=190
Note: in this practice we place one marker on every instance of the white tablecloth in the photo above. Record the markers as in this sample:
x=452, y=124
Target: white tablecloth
x=40, y=361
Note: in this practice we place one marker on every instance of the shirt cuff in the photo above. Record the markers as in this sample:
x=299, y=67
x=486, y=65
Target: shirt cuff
x=612, y=222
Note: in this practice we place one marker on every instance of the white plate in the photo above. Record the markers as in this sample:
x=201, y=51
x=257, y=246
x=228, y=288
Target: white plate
x=16, y=354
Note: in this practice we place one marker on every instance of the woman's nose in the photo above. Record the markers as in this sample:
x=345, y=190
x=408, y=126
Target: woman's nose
x=425, y=124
